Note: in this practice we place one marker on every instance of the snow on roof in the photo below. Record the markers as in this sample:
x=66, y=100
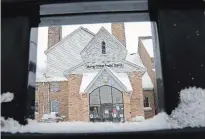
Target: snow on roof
x=148, y=44
x=123, y=77
x=86, y=80
x=189, y=113
x=146, y=82
x=89, y=77
x=135, y=59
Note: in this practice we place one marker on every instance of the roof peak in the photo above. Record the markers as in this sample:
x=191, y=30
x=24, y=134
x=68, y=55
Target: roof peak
x=69, y=35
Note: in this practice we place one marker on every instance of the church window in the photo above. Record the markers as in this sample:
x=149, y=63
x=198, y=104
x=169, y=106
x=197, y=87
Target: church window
x=103, y=48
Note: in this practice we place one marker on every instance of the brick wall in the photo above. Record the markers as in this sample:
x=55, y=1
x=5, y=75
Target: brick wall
x=75, y=106
x=118, y=30
x=136, y=100
x=150, y=95
x=78, y=104
x=147, y=61
x=54, y=35
x=42, y=97
x=127, y=110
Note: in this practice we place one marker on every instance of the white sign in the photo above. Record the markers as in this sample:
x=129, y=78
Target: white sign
x=98, y=66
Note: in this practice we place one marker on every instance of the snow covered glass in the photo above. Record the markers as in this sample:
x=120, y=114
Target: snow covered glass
x=103, y=48
x=106, y=105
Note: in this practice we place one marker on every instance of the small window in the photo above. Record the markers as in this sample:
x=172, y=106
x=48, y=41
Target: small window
x=146, y=102
x=36, y=106
x=54, y=87
x=37, y=87
x=103, y=48
x=55, y=106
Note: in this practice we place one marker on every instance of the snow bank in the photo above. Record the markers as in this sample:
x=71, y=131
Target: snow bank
x=189, y=113
x=191, y=109
x=7, y=97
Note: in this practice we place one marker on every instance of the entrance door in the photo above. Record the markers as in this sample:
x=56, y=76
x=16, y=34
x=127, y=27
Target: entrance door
x=106, y=111
x=106, y=105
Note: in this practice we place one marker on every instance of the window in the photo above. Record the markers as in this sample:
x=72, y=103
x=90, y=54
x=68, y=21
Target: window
x=94, y=97
x=54, y=87
x=105, y=94
x=55, y=106
x=106, y=105
x=117, y=96
x=37, y=87
x=146, y=102
x=36, y=106
x=103, y=48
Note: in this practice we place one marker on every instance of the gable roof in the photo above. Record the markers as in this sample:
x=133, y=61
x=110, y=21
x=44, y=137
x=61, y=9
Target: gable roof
x=106, y=69
x=102, y=29
x=67, y=37
x=66, y=53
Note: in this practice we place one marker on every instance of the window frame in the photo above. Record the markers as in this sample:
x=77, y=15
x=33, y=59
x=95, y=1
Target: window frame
x=37, y=88
x=148, y=101
x=54, y=84
x=56, y=107
x=49, y=17
x=37, y=109
x=102, y=103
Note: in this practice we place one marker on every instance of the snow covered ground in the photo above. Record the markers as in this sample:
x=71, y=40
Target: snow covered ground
x=189, y=113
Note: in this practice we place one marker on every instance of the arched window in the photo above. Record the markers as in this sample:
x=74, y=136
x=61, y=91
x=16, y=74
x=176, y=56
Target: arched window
x=103, y=48
x=106, y=104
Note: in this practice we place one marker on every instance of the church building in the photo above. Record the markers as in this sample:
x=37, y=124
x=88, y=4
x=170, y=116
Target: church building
x=92, y=77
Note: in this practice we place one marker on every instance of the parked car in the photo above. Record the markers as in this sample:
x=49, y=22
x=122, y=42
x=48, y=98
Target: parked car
x=52, y=117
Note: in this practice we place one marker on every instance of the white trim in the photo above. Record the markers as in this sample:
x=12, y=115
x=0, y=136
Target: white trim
x=98, y=75
x=66, y=72
x=136, y=66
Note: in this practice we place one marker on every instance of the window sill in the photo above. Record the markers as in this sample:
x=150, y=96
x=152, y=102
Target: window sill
x=147, y=108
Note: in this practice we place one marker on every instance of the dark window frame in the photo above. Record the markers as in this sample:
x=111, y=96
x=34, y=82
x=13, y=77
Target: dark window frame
x=13, y=9
x=100, y=104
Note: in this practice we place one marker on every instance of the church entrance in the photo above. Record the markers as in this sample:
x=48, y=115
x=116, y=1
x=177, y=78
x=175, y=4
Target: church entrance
x=106, y=105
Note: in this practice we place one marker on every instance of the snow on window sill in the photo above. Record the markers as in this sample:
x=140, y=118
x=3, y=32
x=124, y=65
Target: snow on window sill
x=189, y=113
x=147, y=108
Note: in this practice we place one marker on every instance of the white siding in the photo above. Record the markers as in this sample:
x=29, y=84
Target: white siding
x=67, y=53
